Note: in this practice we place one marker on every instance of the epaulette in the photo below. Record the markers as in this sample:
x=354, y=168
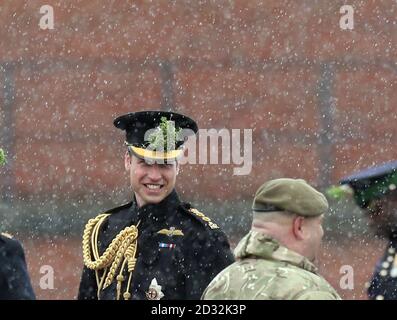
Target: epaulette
x=7, y=235
x=201, y=217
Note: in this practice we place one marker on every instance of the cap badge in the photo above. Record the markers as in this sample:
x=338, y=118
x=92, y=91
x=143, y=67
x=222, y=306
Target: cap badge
x=164, y=136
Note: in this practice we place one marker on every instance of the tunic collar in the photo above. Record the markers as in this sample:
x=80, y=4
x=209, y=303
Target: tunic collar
x=155, y=213
x=265, y=247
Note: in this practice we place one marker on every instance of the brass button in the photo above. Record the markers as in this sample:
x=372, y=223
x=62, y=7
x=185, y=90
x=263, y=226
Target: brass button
x=383, y=273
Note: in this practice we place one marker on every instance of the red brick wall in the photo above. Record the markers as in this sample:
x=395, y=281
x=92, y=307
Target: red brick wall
x=207, y=30
x=239, y=64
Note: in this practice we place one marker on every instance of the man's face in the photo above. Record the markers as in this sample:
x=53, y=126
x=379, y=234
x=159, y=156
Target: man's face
x=314, y=235
x=383, y=215
x=151, y=183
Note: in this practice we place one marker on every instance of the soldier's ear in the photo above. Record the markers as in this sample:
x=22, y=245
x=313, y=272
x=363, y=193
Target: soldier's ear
x=297, y=227
x=127, y=161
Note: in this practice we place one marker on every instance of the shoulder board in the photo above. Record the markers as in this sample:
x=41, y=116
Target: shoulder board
x=201, y=217
x=6, y=235
x=116, y=209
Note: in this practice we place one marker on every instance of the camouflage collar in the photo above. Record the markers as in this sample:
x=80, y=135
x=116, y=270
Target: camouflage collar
x=263, y=246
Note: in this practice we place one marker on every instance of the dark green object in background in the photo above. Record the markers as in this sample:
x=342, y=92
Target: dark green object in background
x=3, y=159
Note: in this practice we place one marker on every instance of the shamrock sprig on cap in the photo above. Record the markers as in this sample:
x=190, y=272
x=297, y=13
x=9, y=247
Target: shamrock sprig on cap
x=163, y=134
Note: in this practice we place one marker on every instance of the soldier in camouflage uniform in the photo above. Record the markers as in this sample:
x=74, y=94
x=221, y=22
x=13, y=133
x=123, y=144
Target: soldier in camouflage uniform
x=275, y=259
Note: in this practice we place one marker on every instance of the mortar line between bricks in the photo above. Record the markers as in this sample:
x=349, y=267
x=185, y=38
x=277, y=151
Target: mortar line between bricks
x=7, y=137
x=326, y=106
x=128, y=65
x=167, y=86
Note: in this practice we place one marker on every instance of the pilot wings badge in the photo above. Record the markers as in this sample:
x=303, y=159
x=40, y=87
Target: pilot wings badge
x=171, y=232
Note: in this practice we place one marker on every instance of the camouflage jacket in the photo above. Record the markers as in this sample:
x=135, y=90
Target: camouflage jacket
x=265, y=270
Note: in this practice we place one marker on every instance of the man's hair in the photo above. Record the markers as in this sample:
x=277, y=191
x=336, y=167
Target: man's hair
x=131, y=154
x=273, y=216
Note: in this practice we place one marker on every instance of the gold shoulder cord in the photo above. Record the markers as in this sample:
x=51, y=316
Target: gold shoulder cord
x=122, y=250
x=202, y=216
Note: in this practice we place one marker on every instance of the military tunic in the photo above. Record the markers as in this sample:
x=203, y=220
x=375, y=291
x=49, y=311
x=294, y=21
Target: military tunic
x=265, y=270
x=14, y=278
x=178, y=249
x=383, y=284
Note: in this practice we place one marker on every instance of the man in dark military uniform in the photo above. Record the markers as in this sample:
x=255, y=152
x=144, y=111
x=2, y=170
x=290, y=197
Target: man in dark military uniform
x=155, y=247
x=374, y=190
x=14, y=278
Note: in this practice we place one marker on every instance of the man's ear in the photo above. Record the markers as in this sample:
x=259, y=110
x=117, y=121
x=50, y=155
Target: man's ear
x=127, y=161
x=375, y=208
x=177, y=167
x=297, y=227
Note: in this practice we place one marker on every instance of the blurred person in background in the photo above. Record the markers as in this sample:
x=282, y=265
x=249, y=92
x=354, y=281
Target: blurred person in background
x=374, y=191
x=14, y=278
